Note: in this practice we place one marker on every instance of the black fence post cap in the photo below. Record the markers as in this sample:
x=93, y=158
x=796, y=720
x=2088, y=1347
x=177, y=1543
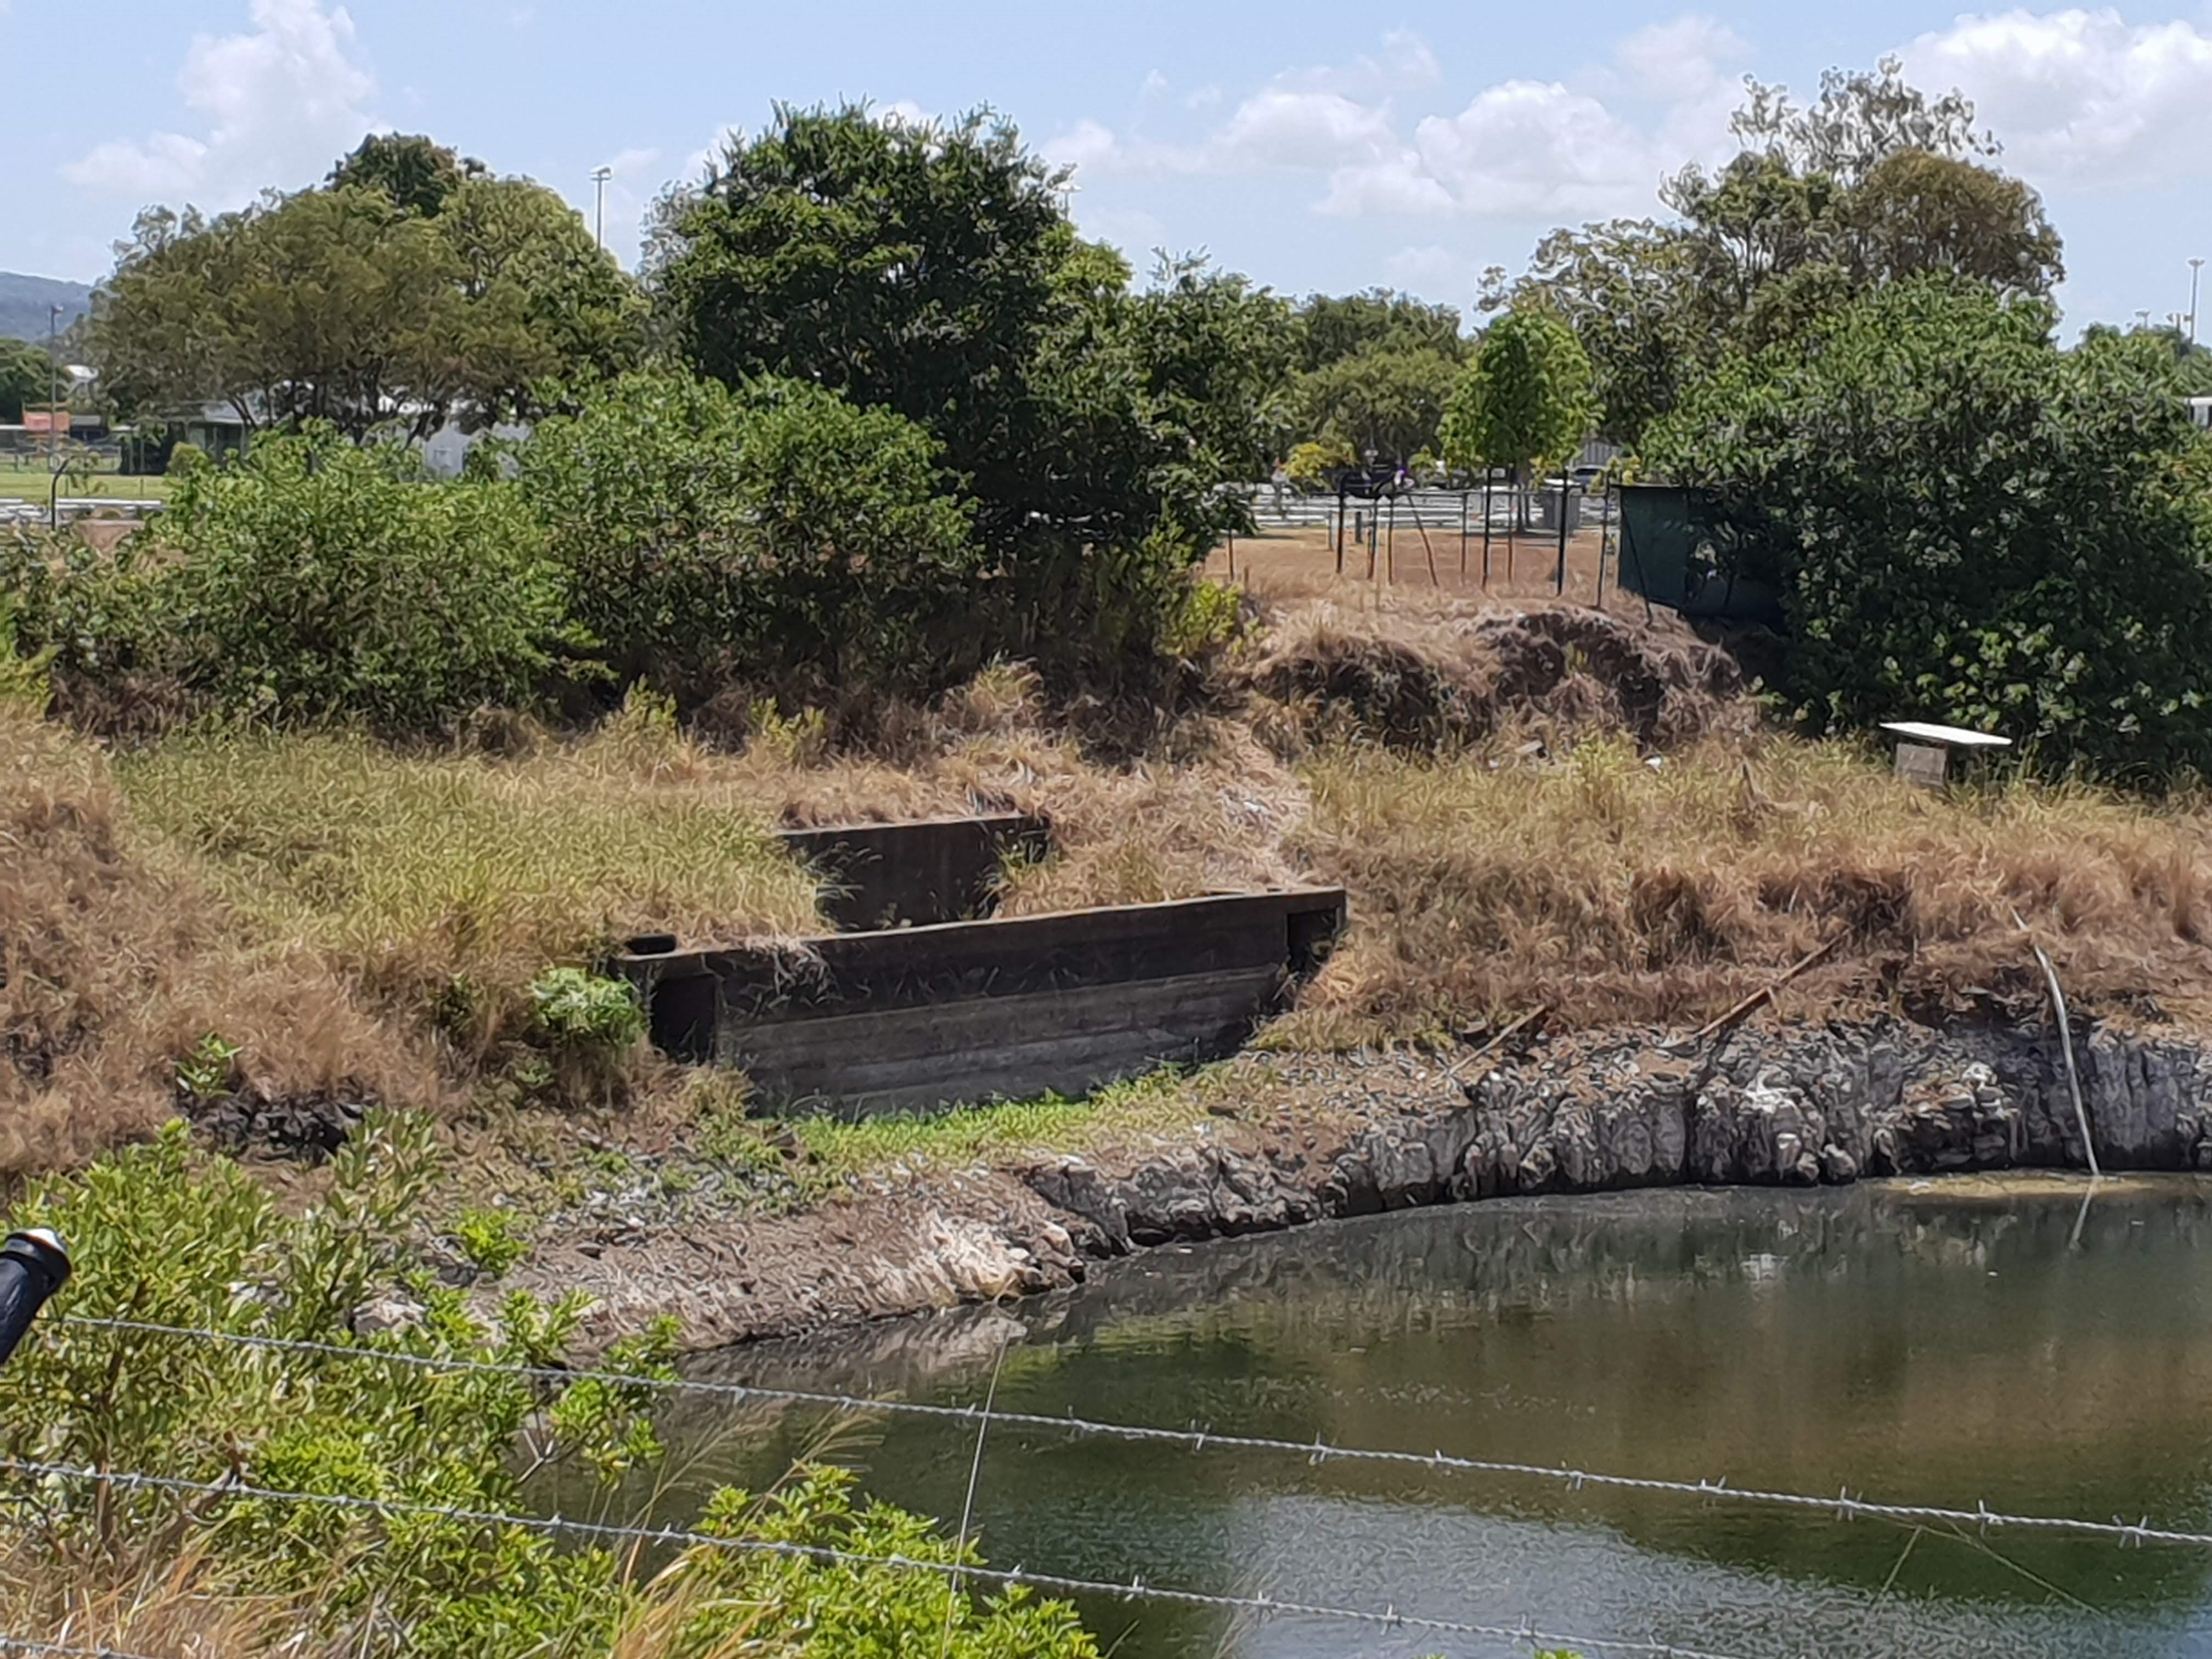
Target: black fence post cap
x=41, y=1250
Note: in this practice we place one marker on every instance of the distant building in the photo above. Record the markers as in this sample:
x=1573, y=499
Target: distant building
x=2200, y=411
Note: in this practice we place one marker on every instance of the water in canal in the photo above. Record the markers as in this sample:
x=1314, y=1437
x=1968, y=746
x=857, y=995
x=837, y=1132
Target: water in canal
x=1943, y=1343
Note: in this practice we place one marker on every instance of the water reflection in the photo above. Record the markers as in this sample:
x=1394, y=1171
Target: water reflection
x=1938, y=1343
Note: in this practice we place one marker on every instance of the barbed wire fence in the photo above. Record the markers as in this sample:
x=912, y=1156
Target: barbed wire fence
x=1007, y=1577
x=1843, y=1506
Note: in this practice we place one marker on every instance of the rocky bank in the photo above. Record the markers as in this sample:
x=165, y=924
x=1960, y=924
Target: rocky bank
x=1773, y=1105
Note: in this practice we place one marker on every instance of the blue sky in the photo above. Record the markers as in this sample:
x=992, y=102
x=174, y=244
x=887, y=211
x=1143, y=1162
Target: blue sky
x=1316, y=146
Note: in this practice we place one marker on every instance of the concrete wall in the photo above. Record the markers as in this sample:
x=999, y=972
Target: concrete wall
x=916, y=1018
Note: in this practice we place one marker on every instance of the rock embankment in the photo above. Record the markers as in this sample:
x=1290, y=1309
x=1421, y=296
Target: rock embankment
x=1785, y=1104
x=1789, y=1105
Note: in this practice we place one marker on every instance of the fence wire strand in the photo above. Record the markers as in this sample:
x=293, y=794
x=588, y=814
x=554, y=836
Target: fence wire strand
x=684, y=1538
x=62, y=1651
x=1843, y=1505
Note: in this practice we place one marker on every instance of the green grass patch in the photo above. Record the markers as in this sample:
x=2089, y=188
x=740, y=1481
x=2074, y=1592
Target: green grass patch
x=444, y=878
x=1160, y=1103
x=33, y=481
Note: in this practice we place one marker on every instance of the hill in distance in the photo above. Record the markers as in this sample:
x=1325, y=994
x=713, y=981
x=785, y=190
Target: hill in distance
x=24, y=301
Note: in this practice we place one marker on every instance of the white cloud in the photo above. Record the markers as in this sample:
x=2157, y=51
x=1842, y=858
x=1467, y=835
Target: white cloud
x=1532, y=148
x=1087, y=144
x=628, y=163
x=281, y=101
x=1279, y=127
x=1517, y=147
x=1676, y=62
x=2081, y=95
x=1436, y=273
x=1135, y=232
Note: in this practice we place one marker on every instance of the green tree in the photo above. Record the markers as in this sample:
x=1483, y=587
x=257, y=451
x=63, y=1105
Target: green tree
x=342, y=305
x=544, y=308
x=933, y=272
x=901, y=266
x=1331, y=328
x=26, y=376
x=1526, y=399
x=417, y=172
x=1969, y=524
x=1216, y=354
x=1381, y=402
x=1874, y=183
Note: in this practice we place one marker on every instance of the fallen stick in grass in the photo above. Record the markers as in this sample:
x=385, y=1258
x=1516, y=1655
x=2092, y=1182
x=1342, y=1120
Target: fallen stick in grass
x=1765, y=991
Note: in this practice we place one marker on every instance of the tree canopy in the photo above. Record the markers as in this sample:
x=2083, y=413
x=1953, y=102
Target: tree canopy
x=1874, y=183
x=1333, y=328
x=933, y=272
x=415, y=171
x=1969, y=524
x=1383, y=402
x=349, y=305
x=1525, y=400
x=26, y=376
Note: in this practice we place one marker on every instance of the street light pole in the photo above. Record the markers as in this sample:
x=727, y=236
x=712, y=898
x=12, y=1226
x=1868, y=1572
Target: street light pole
x=53, y=402
x=600, y=177
x=2195, y=267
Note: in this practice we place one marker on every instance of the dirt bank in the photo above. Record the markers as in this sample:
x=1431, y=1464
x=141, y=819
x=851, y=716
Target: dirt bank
x=1785, y=1104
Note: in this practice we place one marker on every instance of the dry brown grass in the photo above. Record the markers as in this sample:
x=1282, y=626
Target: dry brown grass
x=114, y=961
x=1419, y=673
x=1478, y=781
x=1614, y=889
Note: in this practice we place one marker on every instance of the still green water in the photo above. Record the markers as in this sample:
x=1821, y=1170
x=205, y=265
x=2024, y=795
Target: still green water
x=1939, y=1343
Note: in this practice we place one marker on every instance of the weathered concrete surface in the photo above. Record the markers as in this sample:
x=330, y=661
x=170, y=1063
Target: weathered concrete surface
x=1780, y=1105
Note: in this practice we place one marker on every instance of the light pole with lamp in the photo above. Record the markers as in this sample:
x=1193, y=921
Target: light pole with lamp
x=2195, y=267
x=600, y=177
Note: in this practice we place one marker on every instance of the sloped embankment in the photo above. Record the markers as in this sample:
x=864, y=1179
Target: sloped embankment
x=1788, y=1104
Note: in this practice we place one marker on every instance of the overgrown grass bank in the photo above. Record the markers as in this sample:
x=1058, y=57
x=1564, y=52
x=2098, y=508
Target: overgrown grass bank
x=1611, y=885
x=361, y=919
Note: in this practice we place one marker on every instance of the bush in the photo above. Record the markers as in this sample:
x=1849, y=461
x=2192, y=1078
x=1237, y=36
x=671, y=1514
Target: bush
x=187, y=459
x=320, y=581
x=577, y=1009
x=165, y=1236
x=773, y=531
x=1972, y=525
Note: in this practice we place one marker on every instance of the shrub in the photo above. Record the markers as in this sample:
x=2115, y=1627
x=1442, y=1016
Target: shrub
x=321, y=581
x=488, y=1240
x=582, y=1009
x=164, y=1236
x=1972, y=525
x=772, y=532
x=186, y=458
x=22, y=677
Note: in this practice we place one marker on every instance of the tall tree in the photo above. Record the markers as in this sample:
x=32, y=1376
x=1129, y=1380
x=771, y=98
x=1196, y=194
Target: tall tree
x=341, y=304
x=1333, y=328
x=1384, y=402
x=905, y=266
x=417, y=172
x=1874, y=183
x=933, y=270
x=1969, y=524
